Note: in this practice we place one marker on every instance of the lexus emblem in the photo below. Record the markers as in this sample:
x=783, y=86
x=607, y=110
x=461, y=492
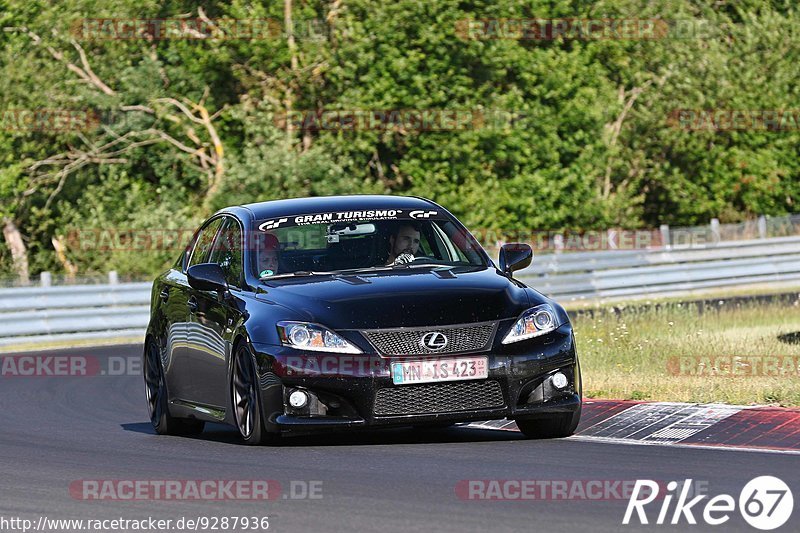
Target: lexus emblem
x=433, y=341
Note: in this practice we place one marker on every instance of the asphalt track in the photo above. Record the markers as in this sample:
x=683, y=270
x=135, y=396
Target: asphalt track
x=58, y=430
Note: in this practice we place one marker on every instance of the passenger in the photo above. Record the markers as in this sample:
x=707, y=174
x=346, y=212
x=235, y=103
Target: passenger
x=268, y=255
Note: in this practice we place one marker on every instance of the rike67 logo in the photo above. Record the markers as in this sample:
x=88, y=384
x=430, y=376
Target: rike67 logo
x=765, y=503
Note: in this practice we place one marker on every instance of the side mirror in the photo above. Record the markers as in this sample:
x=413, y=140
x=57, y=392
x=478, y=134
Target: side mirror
x=515, y=256
x=207, y=277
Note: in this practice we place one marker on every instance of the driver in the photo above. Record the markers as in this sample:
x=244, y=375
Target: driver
x=403, y=244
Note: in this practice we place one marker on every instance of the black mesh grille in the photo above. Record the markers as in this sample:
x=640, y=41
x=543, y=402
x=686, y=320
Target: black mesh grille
x=438, y=398
x=469, y=338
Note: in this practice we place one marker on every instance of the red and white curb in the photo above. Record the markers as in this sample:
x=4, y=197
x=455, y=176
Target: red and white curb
x=768, y=429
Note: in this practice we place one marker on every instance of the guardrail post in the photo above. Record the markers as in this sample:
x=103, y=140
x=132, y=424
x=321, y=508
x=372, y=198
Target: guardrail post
x=46, y=279
x=762, y=227
x=665, y=235
x=715, y=229
x=113, y=278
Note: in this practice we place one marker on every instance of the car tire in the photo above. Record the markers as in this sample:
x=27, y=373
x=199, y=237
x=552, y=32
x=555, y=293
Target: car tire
x=158, y=398
x=246, y=400
x=555, y=427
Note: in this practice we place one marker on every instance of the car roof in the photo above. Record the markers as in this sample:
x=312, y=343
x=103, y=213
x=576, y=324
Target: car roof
x=323, y=204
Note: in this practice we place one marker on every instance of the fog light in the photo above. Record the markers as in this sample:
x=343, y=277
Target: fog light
x=298, y=399
x=559, y=380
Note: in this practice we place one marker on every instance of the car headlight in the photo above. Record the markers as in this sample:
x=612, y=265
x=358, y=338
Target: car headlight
x=534, y=322
x=305, y=336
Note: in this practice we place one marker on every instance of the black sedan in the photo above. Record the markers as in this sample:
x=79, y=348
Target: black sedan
x=353, y=312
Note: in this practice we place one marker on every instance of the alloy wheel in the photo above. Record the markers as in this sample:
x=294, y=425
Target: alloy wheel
x=154, y=384
x=244, y=393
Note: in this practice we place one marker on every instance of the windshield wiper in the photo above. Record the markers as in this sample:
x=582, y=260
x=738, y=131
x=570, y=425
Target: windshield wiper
x=296, y=274
x=379, y=268
x=346, y=271
x=376, y=268
x=435, y=265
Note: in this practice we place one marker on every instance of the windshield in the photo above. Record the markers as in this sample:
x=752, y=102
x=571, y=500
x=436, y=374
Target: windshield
x=361, y=240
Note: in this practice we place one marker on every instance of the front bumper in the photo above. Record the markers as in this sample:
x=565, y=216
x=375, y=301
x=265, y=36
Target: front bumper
x=348, y=391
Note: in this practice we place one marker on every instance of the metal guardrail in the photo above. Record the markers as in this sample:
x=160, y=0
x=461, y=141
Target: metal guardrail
x=36, y=314
x=75, y=312
x=610, y=274
x=75, y=296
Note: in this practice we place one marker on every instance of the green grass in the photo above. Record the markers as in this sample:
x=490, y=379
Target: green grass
x=635, y=354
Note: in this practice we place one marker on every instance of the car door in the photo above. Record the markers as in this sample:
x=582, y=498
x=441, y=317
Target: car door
x=182, y=334
x=171, y=301
x=212, y=316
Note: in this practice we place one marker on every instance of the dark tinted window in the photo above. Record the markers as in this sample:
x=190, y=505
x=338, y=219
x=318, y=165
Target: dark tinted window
x=365, y=244
x=227, y=252
x=202, y=245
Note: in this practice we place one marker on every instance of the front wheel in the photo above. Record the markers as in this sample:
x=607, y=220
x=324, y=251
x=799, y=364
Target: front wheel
x=555, y=427
x=246, y=400
x=157, y=398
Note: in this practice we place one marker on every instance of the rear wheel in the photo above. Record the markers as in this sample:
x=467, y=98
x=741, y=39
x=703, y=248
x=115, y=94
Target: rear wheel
x=246, y=401
x=157, y=398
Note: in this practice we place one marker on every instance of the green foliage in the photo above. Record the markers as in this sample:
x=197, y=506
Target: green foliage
x=569, y=133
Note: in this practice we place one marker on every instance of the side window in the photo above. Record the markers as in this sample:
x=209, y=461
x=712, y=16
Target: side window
x=462, y=243
x=227, y=252
x=203, y=243
x=444, y=249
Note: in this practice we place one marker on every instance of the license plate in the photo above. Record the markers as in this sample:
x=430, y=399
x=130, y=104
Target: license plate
x=432, y=370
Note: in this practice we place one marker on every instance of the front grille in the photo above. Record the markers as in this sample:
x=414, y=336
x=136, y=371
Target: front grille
x=438, y=398
x=407, y=341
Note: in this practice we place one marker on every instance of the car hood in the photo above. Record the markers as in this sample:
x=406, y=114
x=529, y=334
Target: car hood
x=401, y=298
